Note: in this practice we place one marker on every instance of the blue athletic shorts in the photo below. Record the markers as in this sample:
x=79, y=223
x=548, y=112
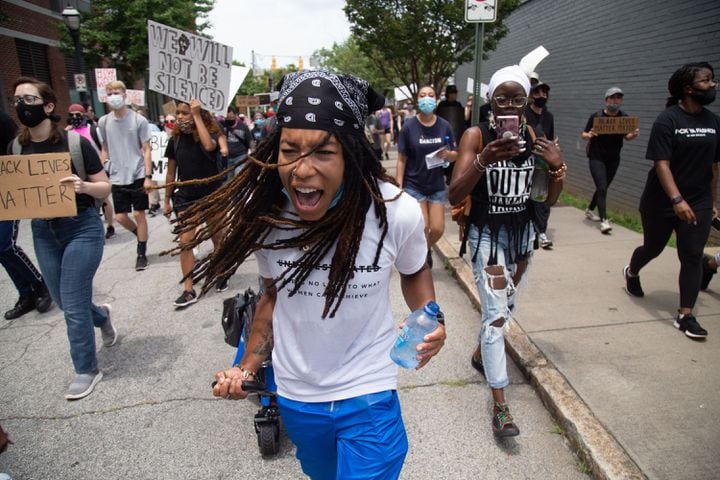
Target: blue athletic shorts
x=357, y=438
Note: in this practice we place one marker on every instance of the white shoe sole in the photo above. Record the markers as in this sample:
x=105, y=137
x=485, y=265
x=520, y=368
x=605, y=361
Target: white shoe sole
x=687, y=333
x=86, y=392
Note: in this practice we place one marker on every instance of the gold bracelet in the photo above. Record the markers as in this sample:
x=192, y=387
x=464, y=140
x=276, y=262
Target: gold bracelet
x=478, y=164
x=559, y=172
x=245, y=373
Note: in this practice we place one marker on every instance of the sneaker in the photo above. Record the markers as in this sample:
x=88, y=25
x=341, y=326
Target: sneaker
x=503, y=423
x=590, y=215
x=83, y=385
x=42, y=299
x=141, y=263
x=110, y=232
x=605, y=226
x=545, y=242
x=691, y=327
x=187, y=298
x=632, y=284
x=476, y=361
x=107, y=330
x=221, y=285
x=24, y=305
x=429, y=258
x=707, y=272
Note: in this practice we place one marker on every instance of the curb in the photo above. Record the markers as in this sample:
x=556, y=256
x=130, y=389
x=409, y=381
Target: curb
x=587, y=436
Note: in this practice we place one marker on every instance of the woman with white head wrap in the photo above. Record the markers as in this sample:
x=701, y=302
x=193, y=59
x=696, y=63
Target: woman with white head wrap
x=497, y=174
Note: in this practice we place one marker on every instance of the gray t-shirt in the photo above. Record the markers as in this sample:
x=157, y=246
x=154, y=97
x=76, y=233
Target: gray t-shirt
x=124, y=138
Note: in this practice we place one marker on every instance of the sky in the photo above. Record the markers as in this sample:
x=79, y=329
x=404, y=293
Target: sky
x=286, y=29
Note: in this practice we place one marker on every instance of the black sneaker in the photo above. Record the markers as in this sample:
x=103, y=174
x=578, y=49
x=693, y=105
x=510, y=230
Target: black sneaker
x=221, y=285
x=141, y=263
x=110, y=232
x=42, y=299
x=24, y=305
x=187, y=298
x=707, y=272
x=632, y=284
x=690, y=326
x=503, y=423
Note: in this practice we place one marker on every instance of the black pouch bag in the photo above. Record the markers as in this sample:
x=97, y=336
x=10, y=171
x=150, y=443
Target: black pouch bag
x=238, y=311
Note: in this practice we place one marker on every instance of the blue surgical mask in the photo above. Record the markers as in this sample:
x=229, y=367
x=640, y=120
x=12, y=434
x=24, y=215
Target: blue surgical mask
x=427, y=105
x=259, y=122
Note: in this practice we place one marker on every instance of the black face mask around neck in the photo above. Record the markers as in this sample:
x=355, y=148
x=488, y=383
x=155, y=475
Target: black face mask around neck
x=30, y=115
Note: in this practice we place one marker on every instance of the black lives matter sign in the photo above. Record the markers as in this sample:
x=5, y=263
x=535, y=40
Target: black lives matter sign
x=184, y=66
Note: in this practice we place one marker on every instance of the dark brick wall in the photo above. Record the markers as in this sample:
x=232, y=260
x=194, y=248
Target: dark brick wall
x=594, y=45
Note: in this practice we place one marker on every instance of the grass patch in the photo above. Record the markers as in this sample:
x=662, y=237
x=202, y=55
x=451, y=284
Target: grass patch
x=454, y=383
x=631, y=221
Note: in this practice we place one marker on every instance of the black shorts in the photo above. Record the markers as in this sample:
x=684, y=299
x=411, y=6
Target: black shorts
x=184, y=198
x=127, y=198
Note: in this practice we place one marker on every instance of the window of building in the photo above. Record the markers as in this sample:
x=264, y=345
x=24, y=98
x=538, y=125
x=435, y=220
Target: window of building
x=33, y=60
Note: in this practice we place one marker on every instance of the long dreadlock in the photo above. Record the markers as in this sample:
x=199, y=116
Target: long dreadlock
x=251, y=205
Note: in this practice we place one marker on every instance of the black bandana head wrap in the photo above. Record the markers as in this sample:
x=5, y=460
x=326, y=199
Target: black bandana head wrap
x=317, y=99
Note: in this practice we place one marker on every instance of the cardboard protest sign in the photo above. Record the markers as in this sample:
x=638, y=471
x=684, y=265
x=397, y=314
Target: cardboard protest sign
x=615, y=125
x=244, y=101
x=158, y=144
x=186, y=66
x=103, y=76
x=135, y=97
x=30, y=186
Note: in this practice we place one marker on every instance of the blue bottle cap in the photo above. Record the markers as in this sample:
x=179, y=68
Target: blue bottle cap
x=432, y=308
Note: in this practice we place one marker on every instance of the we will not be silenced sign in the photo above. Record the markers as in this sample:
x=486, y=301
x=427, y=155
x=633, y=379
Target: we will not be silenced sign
x=30, y=186
x=184, y=66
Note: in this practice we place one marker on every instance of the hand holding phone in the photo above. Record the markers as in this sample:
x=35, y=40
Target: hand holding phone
x=507, y=126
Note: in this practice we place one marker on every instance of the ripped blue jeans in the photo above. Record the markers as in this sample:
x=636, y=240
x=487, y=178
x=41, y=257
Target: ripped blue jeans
x=496, y=302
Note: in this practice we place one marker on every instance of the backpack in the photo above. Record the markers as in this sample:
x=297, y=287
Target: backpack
x=75, y=149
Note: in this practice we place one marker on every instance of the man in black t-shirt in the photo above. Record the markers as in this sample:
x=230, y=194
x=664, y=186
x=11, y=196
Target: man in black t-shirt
x=454, y=112
x=543, y=123
x=603, y=153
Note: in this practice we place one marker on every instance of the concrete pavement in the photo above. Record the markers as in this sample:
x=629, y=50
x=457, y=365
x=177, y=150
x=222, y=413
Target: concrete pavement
x=153, y=417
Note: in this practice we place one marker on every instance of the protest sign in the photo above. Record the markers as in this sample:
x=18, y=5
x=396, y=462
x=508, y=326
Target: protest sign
x=103, y=76
x=244, y=101
x=30, y=186
x=615, y=125
x=186, y=66
x=158, y=144
x=135, y=97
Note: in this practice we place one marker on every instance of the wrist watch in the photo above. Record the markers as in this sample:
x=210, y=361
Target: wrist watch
x=676, y=199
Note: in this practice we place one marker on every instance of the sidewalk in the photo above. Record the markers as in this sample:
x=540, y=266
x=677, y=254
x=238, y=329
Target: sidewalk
x=631, y=391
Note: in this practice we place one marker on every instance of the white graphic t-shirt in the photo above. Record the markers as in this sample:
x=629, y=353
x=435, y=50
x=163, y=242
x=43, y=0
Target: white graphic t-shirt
x=325, y=359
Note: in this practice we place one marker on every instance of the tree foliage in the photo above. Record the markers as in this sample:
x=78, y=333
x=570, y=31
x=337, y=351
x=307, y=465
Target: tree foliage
x=348, y=57
x=417, y=42
x=114, y=34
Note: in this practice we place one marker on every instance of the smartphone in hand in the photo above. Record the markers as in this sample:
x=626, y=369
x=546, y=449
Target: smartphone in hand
x=507, y=126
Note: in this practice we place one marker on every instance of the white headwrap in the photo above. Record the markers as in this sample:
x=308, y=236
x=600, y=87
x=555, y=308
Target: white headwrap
x=512, y=73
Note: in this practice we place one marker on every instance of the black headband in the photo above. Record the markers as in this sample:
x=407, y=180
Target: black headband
x=317, y=99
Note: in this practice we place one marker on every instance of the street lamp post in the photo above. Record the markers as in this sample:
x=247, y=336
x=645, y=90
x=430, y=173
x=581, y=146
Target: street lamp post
x=71, y=17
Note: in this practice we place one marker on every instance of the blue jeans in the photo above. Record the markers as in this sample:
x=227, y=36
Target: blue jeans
x=69, y=251
x=435, y=197
x=19, y=267
x=496, y=302
x=356, y=438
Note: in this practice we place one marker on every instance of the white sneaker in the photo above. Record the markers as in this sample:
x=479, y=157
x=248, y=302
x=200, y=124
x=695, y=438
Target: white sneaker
x=545, y=242
x=83, y=385
x=590, y=215
x=605, y=226
x=107, y=330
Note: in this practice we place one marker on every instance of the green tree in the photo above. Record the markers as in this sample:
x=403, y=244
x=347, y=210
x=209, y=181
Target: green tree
x=348, y=57
x=114, y=33
x=418, y=42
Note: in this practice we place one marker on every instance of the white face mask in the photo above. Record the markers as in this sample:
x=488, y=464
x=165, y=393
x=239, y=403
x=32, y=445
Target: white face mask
x=115, y=101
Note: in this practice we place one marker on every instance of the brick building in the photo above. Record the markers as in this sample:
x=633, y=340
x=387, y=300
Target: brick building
x=29, y=42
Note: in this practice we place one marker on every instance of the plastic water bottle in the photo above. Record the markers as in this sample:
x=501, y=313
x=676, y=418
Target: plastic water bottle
x=418, y=324
x=539, y=188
